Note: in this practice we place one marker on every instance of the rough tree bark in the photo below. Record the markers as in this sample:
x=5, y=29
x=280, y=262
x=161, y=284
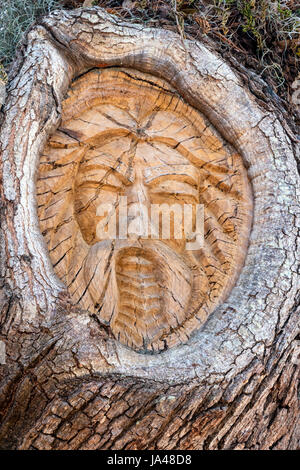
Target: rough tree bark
x=67, y=382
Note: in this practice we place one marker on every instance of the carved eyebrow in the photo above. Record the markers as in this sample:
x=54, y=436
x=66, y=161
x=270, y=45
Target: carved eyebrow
x=183, y=173
x=88, y=168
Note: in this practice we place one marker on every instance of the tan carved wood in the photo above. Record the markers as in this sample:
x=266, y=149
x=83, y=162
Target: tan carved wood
x=126, y=133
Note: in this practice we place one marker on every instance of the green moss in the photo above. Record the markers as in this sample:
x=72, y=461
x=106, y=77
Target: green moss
x=15, y=18
x=265, y=29
x=3, y=75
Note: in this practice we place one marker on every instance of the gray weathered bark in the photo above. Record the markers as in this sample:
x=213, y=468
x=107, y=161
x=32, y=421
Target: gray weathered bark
x=67, y=383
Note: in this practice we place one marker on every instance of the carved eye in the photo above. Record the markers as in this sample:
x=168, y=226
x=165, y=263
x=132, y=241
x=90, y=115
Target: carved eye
x=125, y=134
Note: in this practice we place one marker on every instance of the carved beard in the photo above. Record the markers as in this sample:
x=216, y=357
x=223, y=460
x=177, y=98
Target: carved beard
x=143, y=289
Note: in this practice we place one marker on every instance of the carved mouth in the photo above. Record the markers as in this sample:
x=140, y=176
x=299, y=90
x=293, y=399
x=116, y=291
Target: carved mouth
x=139, y=281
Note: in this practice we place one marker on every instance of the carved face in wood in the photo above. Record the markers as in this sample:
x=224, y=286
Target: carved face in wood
x=128, y=135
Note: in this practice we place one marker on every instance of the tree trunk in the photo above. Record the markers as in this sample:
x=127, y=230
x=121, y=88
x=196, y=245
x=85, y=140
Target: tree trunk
x=91, y=361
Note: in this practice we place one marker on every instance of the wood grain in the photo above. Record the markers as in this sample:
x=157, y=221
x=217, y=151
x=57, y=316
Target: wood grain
x=68, y=383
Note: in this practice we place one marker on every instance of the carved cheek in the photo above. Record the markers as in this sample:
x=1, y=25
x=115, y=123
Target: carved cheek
x=86, y=204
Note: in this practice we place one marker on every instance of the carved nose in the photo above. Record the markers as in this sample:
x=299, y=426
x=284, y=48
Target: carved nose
x=137, y=193
x=137, y=209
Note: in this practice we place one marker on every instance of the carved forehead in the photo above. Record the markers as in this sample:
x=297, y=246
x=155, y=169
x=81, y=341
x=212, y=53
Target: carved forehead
x=112, y=103
x=124, y=89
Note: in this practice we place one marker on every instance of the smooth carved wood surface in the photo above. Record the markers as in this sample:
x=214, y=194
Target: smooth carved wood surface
x=126, y=133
